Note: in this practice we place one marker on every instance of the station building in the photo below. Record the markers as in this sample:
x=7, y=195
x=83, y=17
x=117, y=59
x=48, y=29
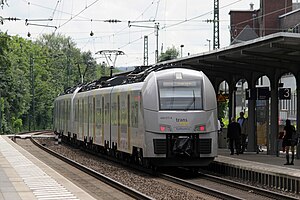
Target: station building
x=273, y=16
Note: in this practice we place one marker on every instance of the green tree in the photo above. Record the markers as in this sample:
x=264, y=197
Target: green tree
x=32, y=74
x=171, y=53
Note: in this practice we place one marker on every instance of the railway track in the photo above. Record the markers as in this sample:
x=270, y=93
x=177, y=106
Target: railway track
x=223, y=188
x=92, y=182
x=203, y=184
x=150, y=188
x=115, y=184
x=154, y=187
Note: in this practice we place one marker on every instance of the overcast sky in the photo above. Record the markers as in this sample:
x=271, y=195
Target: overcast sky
x=181, y=22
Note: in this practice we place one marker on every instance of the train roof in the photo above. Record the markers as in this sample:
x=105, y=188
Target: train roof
x=137, y=75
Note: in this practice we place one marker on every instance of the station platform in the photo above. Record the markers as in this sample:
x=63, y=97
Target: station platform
x=261, y=168
x=23, y=177
x=262, y=158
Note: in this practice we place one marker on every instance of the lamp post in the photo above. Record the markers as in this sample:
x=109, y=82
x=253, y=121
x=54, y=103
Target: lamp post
x=181, y=47
x=208, y=44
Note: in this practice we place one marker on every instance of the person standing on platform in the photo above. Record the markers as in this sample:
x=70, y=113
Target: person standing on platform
x=243, y=123
x=233, y=135
x=289, y=141
x=220, y=125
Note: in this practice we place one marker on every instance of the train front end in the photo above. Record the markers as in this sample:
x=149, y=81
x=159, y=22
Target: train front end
x=180, y=114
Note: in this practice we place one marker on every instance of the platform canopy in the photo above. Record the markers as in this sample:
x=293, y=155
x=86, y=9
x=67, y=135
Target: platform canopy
x=278, y=52
x=272, y=56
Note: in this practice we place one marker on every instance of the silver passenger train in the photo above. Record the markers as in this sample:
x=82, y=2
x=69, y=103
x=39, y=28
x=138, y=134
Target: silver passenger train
x=154, y=117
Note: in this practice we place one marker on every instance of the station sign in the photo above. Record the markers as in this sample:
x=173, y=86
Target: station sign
x=261, y=93
x=285, y=93
x=251, y=94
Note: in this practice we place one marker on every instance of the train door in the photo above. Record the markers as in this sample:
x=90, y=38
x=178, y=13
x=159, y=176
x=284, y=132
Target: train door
x=61, y=127
x=102, y=119
x=135, y=132
x=67, y=117
x=123, y=123
x=77, y=119
x=86, y=117
x=114, y=120
x=94, y=119
x=90, y=114
x=118, y=120
x=60, y=116
x=98, y=121
x=107, y=135
x=81, y=119
x=128, y=123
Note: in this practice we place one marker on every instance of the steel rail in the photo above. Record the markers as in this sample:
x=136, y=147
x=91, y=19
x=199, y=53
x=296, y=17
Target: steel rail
x=121, y=187
x=230, y=183
x=245, y=187
x=200, y=188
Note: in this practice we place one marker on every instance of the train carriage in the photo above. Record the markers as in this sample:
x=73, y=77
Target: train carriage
x=167, y=118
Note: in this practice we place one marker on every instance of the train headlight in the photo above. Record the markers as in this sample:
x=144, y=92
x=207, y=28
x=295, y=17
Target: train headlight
x=164, y=128
x=200, y=128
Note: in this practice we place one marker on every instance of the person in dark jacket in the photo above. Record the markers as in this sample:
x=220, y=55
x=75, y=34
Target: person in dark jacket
x=289, y=141
x=234, y=136
x=243, y=123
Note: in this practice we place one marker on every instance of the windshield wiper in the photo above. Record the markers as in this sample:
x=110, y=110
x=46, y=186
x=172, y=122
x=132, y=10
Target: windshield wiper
x=192, y=102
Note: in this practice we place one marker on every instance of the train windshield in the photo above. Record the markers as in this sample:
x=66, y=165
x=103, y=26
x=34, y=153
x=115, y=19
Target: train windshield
x=180, y=94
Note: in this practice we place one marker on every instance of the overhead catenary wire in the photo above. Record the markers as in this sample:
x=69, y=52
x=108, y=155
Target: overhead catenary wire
x=78, y=13
x=83, y=18
x=164, y=27
x=123, y=32
x=184, y=21
x=49, y=8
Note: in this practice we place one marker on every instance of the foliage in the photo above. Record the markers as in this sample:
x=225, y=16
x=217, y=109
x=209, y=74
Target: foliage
x=222, y=109
x=171, y=53
x=32, y=74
